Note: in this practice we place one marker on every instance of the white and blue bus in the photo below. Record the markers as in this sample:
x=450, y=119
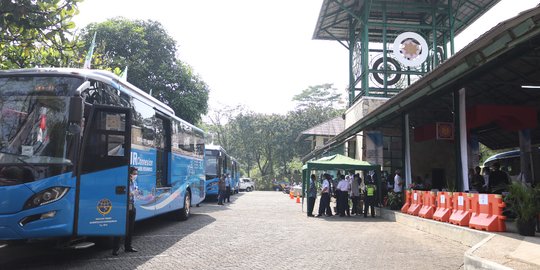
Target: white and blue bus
x=217, y=163
x=67, y=140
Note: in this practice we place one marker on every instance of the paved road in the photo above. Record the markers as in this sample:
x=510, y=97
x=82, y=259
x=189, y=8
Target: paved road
x=257, y=230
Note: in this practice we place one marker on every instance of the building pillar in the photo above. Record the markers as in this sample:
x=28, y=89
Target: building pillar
x=462, y=141
x=407, y=156
x=525, y=156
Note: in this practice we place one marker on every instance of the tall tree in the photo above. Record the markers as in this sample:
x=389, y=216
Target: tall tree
x=37, y=33
x=150, y=53
x=324, y=95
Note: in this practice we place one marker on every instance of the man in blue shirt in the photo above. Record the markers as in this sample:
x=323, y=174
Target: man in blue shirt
x=312, y=195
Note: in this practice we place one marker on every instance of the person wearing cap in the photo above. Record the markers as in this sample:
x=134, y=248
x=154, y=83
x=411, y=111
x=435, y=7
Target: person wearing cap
x=370, y=196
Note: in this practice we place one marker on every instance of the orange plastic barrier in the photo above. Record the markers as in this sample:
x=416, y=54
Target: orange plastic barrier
x=416, y=203
x=428, y=204
x=291, y=194
x=460, y=209
x=407, y=202
x=444, y=206
x=487, y=212
x=297, y=198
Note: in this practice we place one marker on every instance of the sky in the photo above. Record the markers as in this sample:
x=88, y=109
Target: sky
x=258, y=53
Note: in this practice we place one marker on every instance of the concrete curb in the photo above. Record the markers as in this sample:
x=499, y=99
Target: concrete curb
x=469, y=237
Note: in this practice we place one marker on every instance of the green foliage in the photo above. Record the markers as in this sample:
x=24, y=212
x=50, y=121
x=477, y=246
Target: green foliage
x=268, y=142
x=395, y=200
x=524, y=201
x=37, y=33
x=150, y=53
x=324, y=95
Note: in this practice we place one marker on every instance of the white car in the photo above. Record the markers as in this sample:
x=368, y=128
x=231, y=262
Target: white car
x=247, y=184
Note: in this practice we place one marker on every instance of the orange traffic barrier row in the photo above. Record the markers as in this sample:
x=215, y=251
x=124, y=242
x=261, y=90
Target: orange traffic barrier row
x=444, y=207
x=477, y=211
x=416, y=203
x=428, y=205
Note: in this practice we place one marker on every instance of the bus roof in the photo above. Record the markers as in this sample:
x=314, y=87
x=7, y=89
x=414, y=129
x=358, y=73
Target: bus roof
x=99, y=75
x=509, y=154
x=107, y=77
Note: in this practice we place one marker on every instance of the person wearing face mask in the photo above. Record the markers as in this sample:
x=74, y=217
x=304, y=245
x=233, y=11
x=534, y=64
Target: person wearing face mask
x=133, y=191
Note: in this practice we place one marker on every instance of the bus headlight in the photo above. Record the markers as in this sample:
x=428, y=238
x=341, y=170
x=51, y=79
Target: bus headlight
x=46, y=196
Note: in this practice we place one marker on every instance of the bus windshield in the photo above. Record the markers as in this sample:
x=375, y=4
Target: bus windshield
x=211, y=164
x=33, y=128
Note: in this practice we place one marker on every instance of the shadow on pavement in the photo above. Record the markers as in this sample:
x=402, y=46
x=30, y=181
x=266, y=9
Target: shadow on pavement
x=152, y=237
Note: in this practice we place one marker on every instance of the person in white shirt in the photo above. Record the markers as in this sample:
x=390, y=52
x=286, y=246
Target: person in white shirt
x=343, y=196
x=398, y=182
x=324, y=203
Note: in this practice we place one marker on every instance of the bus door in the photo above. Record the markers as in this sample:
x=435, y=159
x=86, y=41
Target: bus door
x=163, y=148
x=102, y=182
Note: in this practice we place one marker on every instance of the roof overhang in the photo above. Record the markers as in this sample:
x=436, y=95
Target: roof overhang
x=494, y=67
x=336, y=16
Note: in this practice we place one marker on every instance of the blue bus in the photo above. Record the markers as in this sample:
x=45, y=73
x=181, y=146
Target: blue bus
x=218, y=162
x=67, y=140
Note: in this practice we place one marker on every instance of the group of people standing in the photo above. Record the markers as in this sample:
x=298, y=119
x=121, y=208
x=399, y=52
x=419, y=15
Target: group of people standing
x=489, y=180
x=224, y=189
x=348, y=187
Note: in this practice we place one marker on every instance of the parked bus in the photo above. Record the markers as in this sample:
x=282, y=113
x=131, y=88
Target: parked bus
x=218, y=162
x=67, y=140
x=510, y=162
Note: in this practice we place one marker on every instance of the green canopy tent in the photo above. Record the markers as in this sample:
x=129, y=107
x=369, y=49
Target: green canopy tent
x=338, y=162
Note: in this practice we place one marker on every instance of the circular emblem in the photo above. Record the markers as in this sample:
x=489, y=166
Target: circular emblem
x=410, y=49
x=104, y=206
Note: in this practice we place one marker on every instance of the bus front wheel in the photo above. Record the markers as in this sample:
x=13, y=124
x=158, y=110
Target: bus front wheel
x=183, y=214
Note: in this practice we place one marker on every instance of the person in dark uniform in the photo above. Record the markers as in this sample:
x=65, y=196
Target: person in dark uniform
x=133, y=190
x=312, y=195
x=370, y=197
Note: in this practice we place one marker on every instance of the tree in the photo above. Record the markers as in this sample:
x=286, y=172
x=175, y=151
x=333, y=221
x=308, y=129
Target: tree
x=37, y=33
x=150, y=53
x=324, y=95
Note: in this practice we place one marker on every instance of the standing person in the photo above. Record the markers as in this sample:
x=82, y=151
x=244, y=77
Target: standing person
x=343, y=197
x=477, y=181
x=355, y=194
x=485, y=174
x=370, y=198
x=312, y=195
x=324, y=203
x=228, y=188
x=498, y=180
x=133, y=191
x=398, y=182
x=221, y=189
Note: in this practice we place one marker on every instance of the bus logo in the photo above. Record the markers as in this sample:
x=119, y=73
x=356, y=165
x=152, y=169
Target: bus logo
x=104, y=206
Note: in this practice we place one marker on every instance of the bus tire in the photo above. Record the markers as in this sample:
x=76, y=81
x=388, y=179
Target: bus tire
x=183, y=214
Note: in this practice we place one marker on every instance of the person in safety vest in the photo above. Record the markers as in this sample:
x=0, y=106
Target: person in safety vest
x=370, y=197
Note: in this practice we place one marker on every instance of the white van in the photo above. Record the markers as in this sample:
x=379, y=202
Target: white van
x=247, y=184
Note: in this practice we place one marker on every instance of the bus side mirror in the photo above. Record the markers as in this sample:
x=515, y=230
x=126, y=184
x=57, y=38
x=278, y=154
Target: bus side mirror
x=75, y=113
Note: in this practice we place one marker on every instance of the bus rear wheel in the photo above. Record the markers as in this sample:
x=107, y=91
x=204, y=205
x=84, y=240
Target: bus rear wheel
x=183, y=214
